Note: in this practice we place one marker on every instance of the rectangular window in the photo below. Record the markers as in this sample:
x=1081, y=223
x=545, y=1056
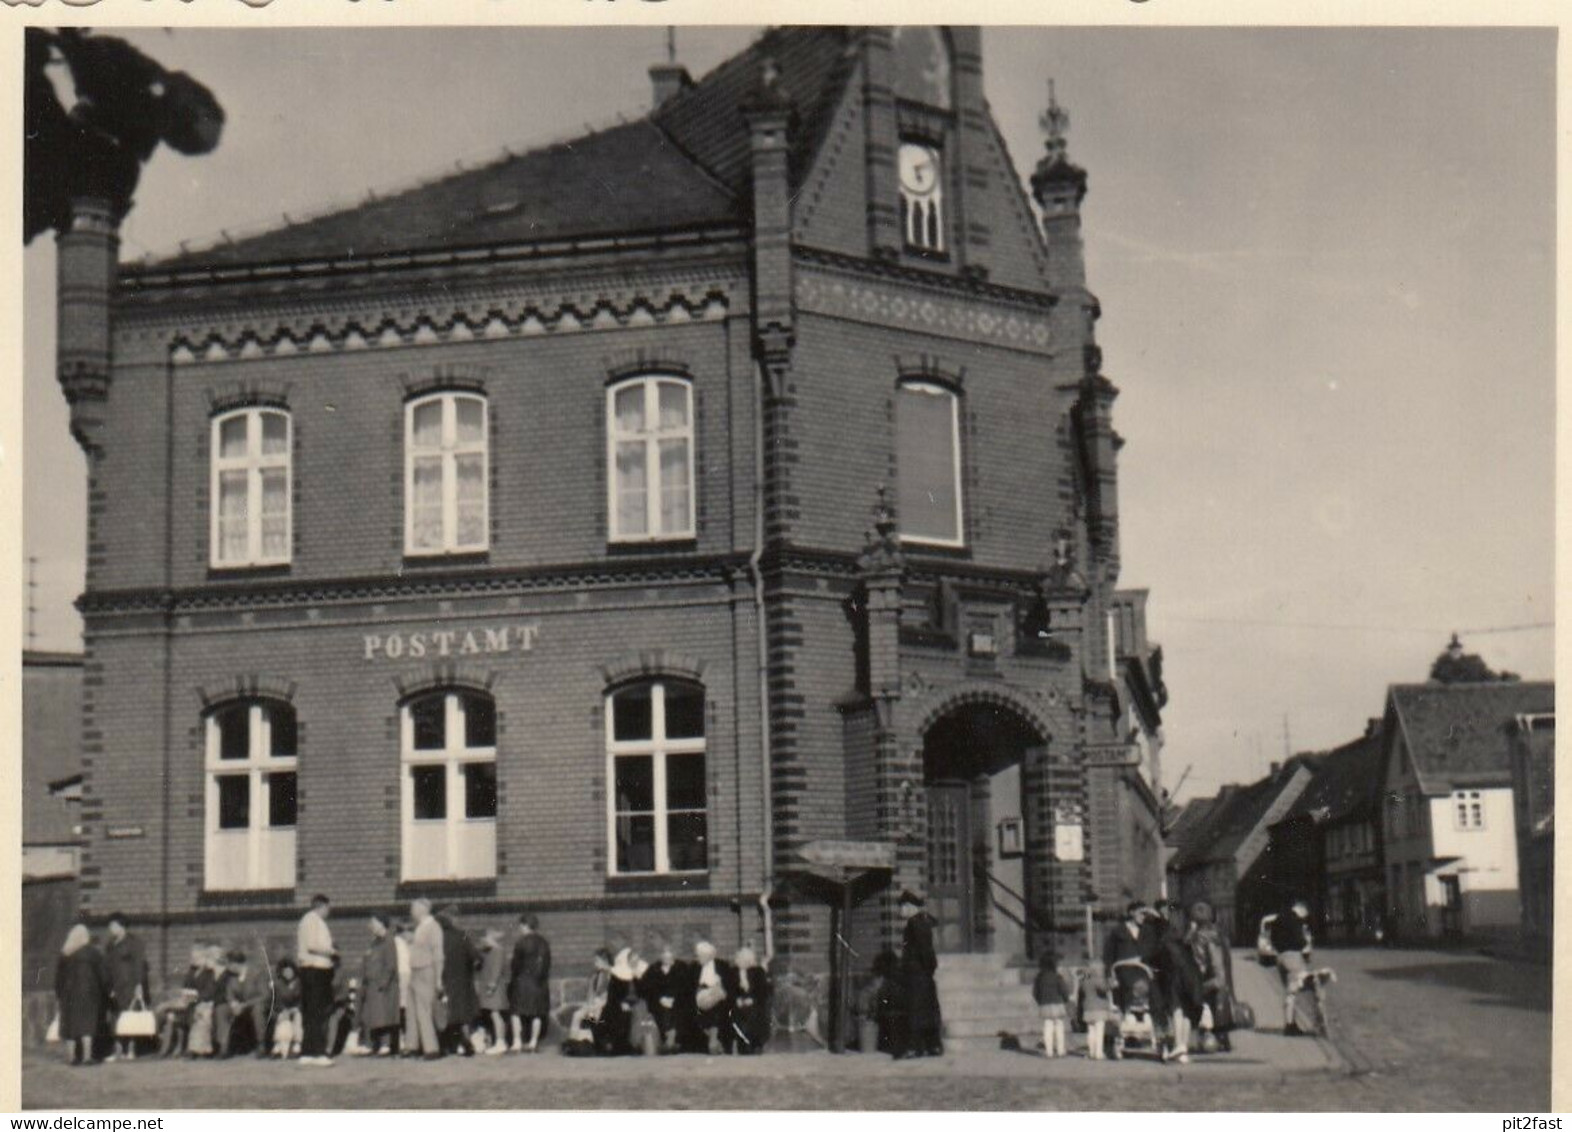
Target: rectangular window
x=657, y=809
x=251, y=796
x=450, y=786
x=1468, y=809
x=446, y=455
x=928, y=458
x=250, y=489
x=650, y=459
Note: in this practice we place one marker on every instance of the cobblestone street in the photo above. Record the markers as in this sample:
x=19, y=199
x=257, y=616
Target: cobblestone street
x=1411, y=1021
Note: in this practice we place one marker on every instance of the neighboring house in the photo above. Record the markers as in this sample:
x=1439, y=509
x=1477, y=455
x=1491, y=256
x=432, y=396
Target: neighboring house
x=506, y=539
x=1449, y=826
x=51, y=764
x=1533, y=744
x=1221, y=860
x=1327, y=847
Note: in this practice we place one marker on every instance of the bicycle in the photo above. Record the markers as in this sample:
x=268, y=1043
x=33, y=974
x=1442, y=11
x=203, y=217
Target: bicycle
x=1316, y=981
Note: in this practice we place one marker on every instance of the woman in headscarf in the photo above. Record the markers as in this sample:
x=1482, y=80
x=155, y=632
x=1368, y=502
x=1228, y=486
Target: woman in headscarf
x=379, y=1005
x=459, y=963
x=82, y=988
x=748, y=985
x=491, y=988
x=1215, y=961
x=709, y=997
x=614, y=1029
x=529, y=995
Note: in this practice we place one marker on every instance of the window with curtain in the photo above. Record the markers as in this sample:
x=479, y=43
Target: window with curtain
x=650, y=458
x=928, y=455
x=445, y=474
x=250, y=489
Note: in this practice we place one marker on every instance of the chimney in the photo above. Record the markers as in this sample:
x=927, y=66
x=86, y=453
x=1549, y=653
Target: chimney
x=85, y=279
x=668, y=81
x=1273, y=769
x=768, y=113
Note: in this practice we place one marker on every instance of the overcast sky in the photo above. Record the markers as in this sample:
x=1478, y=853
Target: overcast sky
x=1326, y=264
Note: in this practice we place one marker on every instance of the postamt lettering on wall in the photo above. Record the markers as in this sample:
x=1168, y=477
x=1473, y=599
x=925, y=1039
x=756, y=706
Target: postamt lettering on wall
x=482, y=640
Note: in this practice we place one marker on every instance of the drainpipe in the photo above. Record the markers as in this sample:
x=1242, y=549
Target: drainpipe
x=768, y=822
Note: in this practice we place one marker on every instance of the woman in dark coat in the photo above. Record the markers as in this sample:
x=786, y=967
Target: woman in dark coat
x=614, y=1028
x=924, y=1024
x=82, y=988
x=460, y=961
x=1215, y=960
x=379, y=1018
x=748, y=986
x=1180, y=979
x=666, y=989
x=529, y=996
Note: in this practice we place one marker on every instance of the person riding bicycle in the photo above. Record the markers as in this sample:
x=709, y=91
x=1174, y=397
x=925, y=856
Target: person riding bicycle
x=1292, y=941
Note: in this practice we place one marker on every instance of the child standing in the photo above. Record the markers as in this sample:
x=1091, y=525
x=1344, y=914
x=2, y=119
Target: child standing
x=1052, y=992
x=1094, y=1008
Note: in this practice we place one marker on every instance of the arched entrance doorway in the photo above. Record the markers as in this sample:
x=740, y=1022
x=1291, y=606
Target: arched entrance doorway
x=975, y=757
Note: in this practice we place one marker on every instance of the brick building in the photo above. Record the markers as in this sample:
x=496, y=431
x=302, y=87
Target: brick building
x=590, y=531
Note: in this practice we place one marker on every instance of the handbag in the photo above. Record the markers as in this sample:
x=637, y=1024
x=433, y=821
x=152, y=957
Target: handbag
x=1244, y=1014
x=708, y=998
x=136, y=1022
x=439, y=1013
x=52, y=1034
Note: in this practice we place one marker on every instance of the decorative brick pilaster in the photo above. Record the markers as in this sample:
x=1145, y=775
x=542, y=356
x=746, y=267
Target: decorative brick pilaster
x=85, y=281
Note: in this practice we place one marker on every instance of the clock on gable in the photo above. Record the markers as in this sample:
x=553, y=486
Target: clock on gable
x=922, y=196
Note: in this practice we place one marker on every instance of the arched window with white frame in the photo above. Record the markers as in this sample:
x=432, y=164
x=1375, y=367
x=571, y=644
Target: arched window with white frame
x=649, y=453
x=657, y=806
x=446, y=472
x=250, y=488
x=448, y=742
x=928, y=463
x=251, y=769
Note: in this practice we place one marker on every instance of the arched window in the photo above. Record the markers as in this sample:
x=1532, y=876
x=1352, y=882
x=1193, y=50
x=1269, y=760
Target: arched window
x=922, y=66
x=251, y=774
x=445, y=475
x=250, y=488
x=448, y=742
x=656, y=807
x=928, y=459
x=649, y=454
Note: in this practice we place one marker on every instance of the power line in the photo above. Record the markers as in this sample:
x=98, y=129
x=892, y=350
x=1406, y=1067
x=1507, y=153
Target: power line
x=1355, y=628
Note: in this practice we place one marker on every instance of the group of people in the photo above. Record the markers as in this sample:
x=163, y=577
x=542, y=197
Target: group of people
x=1183, y=962
x=424, y=987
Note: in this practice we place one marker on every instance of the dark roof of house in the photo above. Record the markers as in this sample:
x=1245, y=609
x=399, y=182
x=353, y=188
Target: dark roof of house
x=1191, y=819
x=51, y=735
x=1457, y=733
x=1348, y=783
x=682, y=166
x=1219, y=835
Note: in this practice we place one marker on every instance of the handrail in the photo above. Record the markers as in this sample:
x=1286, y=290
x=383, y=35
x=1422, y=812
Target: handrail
x=1038, y=918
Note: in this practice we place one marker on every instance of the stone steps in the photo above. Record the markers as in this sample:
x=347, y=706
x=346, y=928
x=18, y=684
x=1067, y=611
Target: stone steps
x=984, y=995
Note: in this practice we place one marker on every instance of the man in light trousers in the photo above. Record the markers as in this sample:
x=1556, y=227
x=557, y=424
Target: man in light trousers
x=425, y=981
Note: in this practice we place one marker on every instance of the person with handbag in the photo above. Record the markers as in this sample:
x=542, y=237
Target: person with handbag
x=82, y=993
x=1215, y=960
x=126, y=959
x=460, y=961
x=709, y=998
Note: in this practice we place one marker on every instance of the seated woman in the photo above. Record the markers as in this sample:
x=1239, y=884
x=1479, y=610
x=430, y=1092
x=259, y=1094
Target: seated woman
x=174, y=1013
x=666, y=989
x=614, y=1028
x=199, y=1031
x=748, y=986
x=709, y=998
x=288, y=1027
x=581, y=1036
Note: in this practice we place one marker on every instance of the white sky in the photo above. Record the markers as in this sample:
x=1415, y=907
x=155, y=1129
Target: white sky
x=1326, y=262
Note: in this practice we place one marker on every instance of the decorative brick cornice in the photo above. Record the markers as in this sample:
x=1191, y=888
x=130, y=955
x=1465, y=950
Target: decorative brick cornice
x=969, y=286
x=650, y=663
x=395, y=587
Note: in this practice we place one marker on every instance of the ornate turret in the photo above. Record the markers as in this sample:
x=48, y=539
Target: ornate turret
x=1058, y=187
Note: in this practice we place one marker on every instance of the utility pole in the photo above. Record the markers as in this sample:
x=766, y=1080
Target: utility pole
x=1288, y=746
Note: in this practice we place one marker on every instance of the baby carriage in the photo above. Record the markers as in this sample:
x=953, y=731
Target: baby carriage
x=1137, y=1029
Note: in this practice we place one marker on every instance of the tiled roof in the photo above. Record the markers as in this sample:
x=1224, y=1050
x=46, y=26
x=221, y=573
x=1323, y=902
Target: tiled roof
x=1456, y=733
x=1226, y=827
x=1347, y=782
x=684, y=165
x=1191, y=820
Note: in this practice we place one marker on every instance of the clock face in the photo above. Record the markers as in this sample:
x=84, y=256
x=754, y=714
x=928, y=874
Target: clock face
x=919, y=168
